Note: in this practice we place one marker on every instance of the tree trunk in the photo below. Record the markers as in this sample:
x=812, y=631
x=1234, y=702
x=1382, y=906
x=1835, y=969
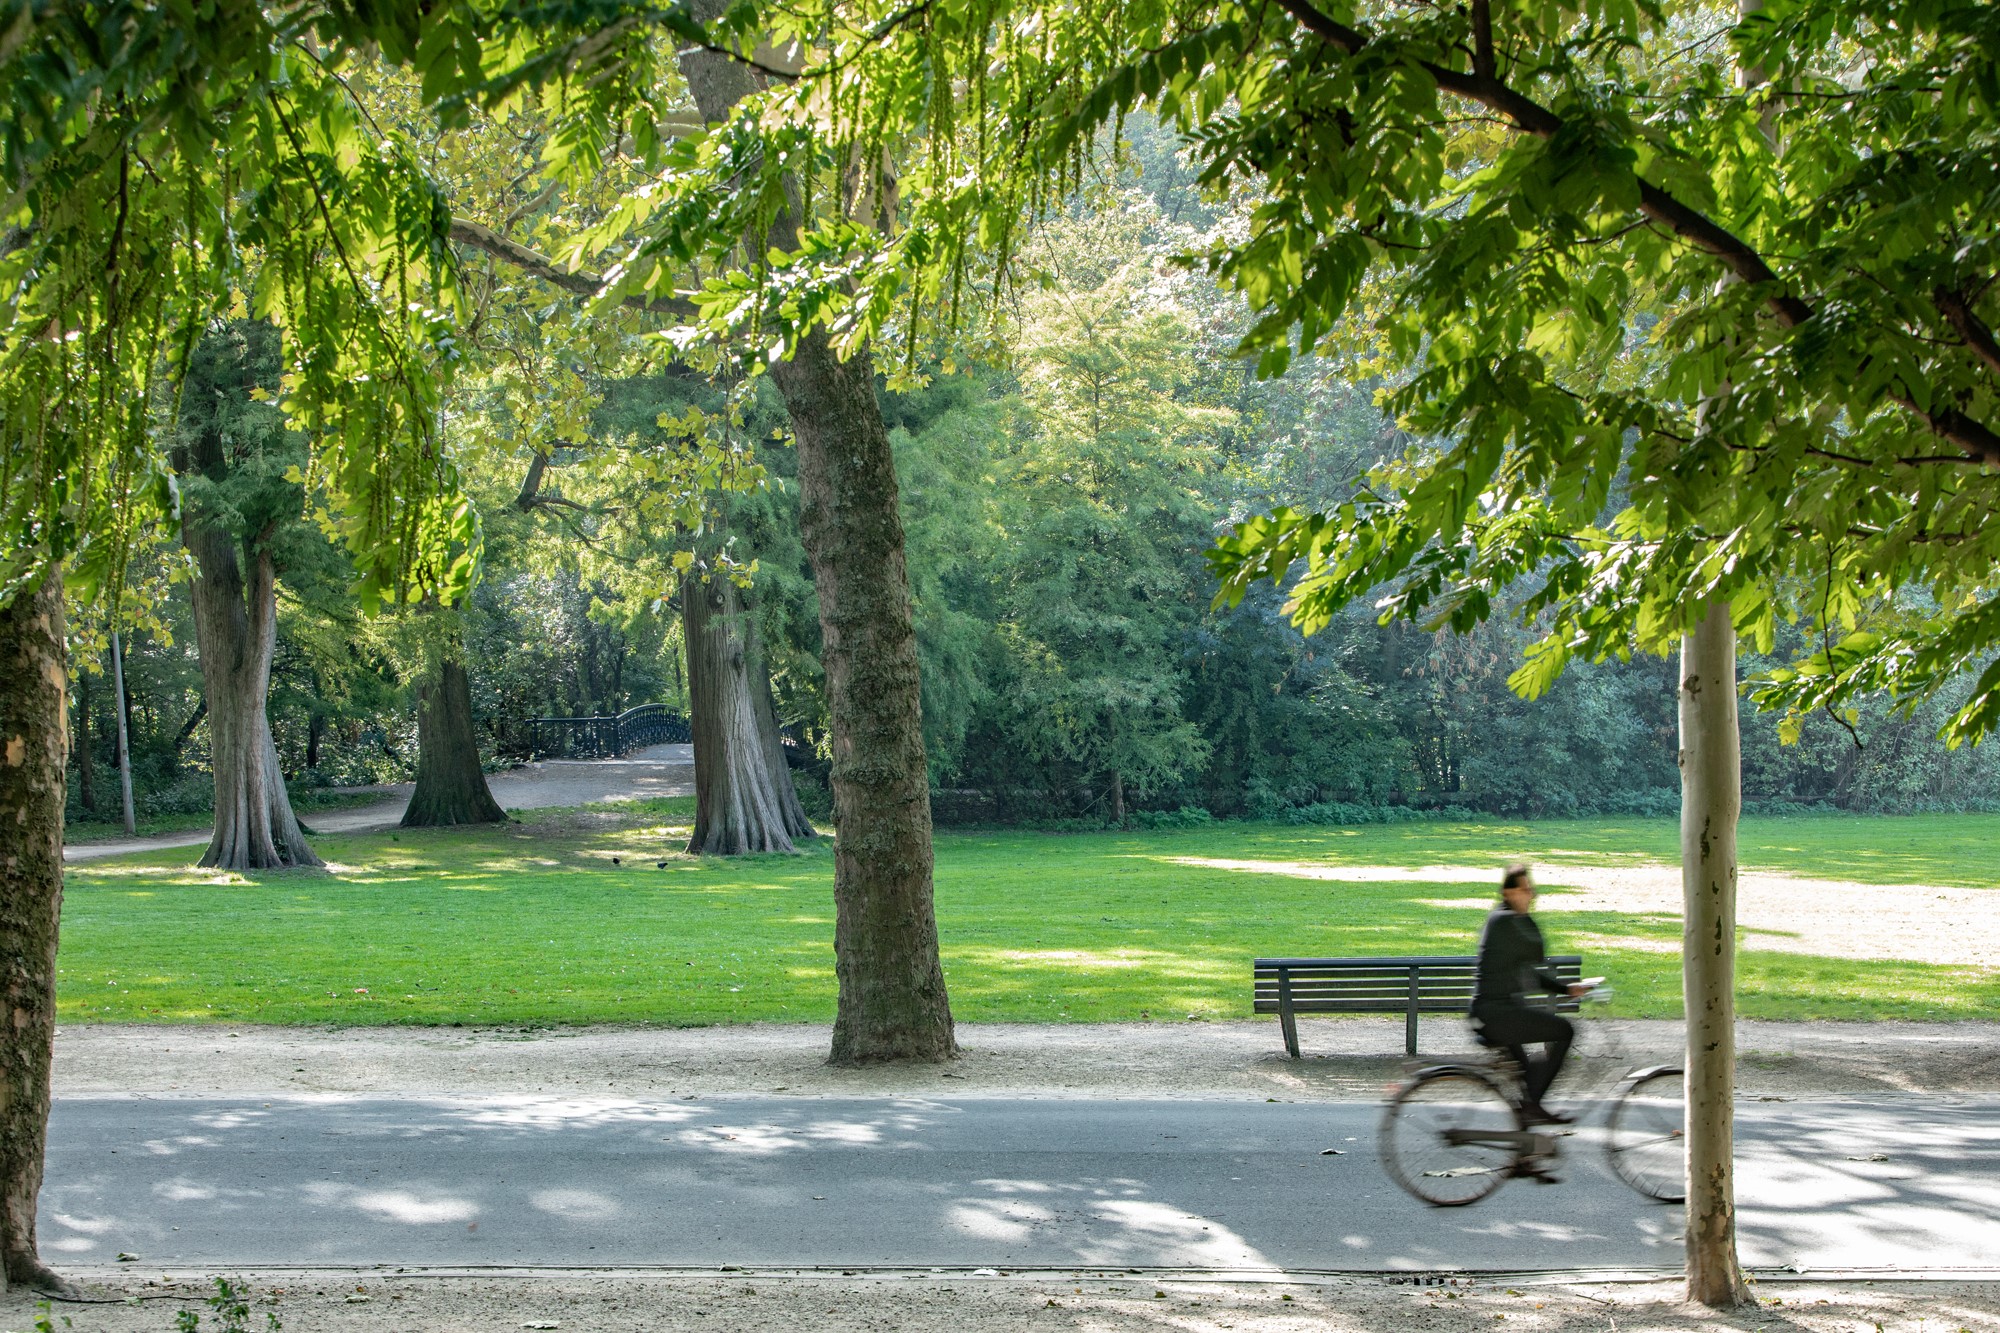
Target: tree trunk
x=124, y=702
x=86, y=783
x=793, y=811
x=1118, y=799
x=34, y=734
x=738, y=804
x=1711, y=799
x=236, y=629
x=316, y=728
x=451, y=786
x=892, y=1002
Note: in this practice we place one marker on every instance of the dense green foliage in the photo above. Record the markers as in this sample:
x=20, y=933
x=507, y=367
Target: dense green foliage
x=1057, y=509
x=1067, y=460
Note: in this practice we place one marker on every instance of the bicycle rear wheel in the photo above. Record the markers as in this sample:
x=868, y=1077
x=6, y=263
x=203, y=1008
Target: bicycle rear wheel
x=1422, y=1128
x=1646, y=1137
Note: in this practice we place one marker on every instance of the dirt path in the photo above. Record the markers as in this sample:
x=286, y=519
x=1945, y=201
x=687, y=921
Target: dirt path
x=989, y=1301
x=1346, y=1059
x=1829, y=918
x=660, y=770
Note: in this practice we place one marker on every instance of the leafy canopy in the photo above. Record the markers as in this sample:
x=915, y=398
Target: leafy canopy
x=1571, y=220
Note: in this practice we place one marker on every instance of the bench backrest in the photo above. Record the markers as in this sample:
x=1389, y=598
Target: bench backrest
x=1380, y=985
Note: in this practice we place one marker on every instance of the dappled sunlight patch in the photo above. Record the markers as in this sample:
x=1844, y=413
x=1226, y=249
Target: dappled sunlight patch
x=1632, y=943
x=1345, y=874
x=1480, y=904
x=1084, y=960
x=1076, y=957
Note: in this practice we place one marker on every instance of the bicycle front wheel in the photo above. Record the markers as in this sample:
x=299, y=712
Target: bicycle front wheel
x=1432, y=1142
x=1647, y=1135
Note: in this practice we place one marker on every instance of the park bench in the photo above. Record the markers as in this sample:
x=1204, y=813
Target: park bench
x=1288, y=987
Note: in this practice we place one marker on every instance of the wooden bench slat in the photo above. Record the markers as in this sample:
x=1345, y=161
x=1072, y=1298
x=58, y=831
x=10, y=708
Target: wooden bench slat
x=1408, y=985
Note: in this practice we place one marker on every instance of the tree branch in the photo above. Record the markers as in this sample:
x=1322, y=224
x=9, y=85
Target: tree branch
x=1958, y=313
x=534, y=262
x=1976, y=438
x=1483, y=63
x=531, y=485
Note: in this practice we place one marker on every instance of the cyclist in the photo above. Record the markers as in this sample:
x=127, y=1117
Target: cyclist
x=1513, y=966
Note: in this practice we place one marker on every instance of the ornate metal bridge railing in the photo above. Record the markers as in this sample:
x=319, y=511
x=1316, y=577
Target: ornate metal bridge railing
x=593, y=737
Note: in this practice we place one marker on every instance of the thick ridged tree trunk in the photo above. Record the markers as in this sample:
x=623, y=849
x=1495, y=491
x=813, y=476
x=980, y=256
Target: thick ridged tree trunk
x=236, y=630
x=793, y=811
x=1711, y=800
x=33, y=737
x=451, y=786
x=740, y=799
x=892, y=1003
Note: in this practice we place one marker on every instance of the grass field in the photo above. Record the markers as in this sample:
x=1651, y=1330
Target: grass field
x=534, y=924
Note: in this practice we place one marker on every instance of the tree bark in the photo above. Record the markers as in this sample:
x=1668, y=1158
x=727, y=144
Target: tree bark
x=86, y=783
x=892, y=1003
x=1711, y=800
x=34, y=734
x=739, y=803
x=451, y=786
x=790, y=808
x=124, y=702
x=236, y=629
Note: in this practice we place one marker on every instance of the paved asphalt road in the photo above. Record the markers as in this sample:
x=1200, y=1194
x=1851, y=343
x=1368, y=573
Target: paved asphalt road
x=1075, y=1184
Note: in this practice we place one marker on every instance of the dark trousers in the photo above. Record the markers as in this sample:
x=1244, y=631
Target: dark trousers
x=1513, y=1027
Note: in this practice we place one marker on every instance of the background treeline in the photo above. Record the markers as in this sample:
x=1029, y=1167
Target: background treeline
x=1058, y=499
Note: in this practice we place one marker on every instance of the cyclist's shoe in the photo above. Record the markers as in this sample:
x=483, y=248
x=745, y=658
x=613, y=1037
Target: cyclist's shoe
x=1539, y=1169
x=1534, y=1113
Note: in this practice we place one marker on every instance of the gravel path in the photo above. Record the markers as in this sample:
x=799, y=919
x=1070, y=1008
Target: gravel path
x=143, y=1299
x=1347, y=1059
x=659, y=770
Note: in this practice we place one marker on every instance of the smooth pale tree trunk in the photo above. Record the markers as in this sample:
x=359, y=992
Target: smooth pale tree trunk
x=739, y=798
x=33, y=737
x=892, y=1002
x=236, y=630
x=86, y=776
x=124, y=733
x=1711, y=800
x=451, y=786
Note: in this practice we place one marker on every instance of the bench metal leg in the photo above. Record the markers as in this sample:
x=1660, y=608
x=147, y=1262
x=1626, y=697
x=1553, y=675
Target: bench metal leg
x=1286, y=1019
x=1410, y=1018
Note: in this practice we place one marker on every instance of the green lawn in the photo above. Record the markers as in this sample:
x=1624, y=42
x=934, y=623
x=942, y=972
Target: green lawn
x=535, y=925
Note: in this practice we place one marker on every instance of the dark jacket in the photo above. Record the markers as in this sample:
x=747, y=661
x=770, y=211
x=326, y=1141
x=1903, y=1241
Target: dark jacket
x=1512, y=962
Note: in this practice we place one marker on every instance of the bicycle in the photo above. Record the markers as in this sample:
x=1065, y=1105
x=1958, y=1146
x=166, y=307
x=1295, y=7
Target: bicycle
x=1453, y=1133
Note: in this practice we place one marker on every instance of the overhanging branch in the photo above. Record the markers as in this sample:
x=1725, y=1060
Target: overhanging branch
x=1979, y=440
x=537, y=264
